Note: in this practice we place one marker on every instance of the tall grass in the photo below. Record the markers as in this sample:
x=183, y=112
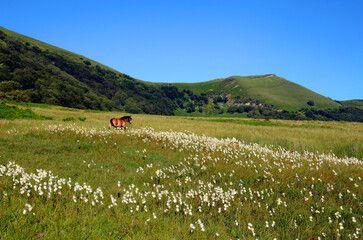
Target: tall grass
x=340, y=138
x=279, y=194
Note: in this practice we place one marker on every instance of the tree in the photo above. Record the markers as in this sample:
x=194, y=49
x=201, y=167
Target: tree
x=190, y=107
x=87, y=62
x=232, y=109
x=300, y=115
x=8, y=86
x=310, y=103
x=2, y=35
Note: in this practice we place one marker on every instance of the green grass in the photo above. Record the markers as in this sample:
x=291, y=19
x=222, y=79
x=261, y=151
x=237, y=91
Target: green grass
x=267, y=89
x=86, y=152
x=247, y=122
x=209, y=112
x=352, y=103
x=44, y=46
x=13, y=112
x=315, y=136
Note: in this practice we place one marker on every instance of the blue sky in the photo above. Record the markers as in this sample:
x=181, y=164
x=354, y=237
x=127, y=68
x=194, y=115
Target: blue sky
x=317, y=44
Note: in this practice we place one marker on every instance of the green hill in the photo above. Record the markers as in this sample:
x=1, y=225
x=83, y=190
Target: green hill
x=352, y=103
x=266, y=89
x=33, y=71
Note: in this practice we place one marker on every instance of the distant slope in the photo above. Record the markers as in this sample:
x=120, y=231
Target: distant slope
x=33, y=71
x=352, y=103
x=267, y=89
x=47, y=47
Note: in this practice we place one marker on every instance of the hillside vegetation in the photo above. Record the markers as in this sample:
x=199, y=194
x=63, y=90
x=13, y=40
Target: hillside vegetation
x=352, y=103
x=266, y=96
x=13, y=112
x=33, y=71
x=267, y=89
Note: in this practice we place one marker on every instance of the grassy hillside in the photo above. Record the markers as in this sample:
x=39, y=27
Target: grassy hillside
x=352, y=103
x=186, y=179
x=267, y=89
x=33, y=71
x=45, y=46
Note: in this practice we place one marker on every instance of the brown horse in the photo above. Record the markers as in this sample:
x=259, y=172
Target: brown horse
x=120, y=122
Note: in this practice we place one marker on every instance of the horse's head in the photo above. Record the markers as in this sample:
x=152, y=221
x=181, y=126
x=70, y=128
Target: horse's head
x=127, y=119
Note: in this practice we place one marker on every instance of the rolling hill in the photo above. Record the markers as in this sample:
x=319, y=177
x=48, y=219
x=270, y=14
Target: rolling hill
x=34, y=71
x=352, y=103
x=267, y=89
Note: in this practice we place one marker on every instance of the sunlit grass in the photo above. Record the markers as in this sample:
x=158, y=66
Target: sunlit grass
x=340, y=138
x=263, y=193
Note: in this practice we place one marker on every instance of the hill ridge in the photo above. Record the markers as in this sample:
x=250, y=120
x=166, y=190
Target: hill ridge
x=34, y=71
x=268, y=89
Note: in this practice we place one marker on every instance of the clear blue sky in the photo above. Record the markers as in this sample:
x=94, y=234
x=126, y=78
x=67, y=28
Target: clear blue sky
x=317, y=44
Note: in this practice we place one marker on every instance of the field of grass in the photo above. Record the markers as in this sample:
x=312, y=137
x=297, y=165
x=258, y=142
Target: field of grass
x=187, y=178
x=340, y=138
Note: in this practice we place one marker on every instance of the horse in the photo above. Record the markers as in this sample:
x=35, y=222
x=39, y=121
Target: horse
x=120, y=122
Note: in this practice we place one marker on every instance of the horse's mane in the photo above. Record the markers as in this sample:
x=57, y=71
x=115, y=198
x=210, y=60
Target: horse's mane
x=126, y=117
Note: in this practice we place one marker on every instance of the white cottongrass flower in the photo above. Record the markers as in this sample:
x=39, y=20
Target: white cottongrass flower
x=28, y=208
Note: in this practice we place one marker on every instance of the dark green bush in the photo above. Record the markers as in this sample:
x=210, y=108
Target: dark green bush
x=68, y=119
x=87, y=62
x=13, y=112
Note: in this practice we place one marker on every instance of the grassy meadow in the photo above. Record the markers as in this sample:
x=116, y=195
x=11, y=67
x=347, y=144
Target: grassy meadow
x=67, y=176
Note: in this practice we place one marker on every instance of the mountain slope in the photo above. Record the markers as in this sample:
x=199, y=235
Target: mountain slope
x=353, y=103
x=34, y=71
x=267, y=89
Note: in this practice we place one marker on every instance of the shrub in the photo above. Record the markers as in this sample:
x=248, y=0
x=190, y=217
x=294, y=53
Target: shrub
x=190, y=107
x=232, y=109
x=68, y=119
x=12, y=112
x=310, y=103
x=2, y=35
x=87, y=62
x=9, y=86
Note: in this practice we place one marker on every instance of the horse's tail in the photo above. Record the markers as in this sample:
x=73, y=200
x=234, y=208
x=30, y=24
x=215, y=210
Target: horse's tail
x=111, y=124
